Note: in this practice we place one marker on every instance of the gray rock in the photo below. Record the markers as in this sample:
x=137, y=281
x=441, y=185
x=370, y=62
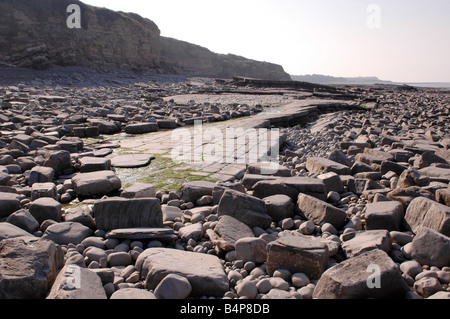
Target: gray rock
x=367, y=240
x=251, y=249
x=143, y=233
x=248, y=209
x=350, y=278
x=228, y=231
x=67, y=233
x=332, y=182
x=173, y=286
x=321, y=212
x=139, y=190
x=204, y=272
x=132, y=161
x=424, y=212
x=41, y=174
x=80, y=214
x=192, y=191
x=58, y=160
x=8, y=231
x=133, y=294
x=119, y=259
x=141, y=128
x=93, y=164
x=28, y=267
x=9, y=203
x=297, y=254
x=260, y=168
x=39, y=190
x=96, y=183
x=77, y=283
x=194, y=231
x=431, y=248
x=321, y=165
x=384, y=215
x=279, y=207
x=427, y=286
x=45, y=208
x=24, y=220
x=117, y=212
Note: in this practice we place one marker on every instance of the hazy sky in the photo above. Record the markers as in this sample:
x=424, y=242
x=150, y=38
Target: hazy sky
x=398, y=40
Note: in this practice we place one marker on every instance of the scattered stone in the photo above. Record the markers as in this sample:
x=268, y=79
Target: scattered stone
x=132, y=161
x=384, y=215
x=424, y=212
x=367, y=240
x=350, y=278
x=204, y=272
x=96, y=183
x=228, y=231
x=321, y=212
x=251, y=249
x=431, y=248
x=132, y=294
x=67, y=233
x=45, y=208
x=297, y=254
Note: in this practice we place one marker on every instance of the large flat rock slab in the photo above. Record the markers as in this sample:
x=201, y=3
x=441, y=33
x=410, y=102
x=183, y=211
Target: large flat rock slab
x=143, y=233
x=117, y=212
x=204, y=272
x=132, y=160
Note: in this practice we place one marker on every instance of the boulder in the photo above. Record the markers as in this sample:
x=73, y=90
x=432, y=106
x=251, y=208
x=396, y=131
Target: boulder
x=28, y=267
x=194, y=231
x=367, y=240
x=228, y=231
x=321, y=212
x=355, y=278
x=279, y=207
x=424, y=212
x=139, y=190
x=24, y=220
x=45, y=208
x=96, y=183
x=248, y=209
x=407, y=195
x=74, y=282
x=430, y=247
x=116, y=212
x=173, y=287
x=192, y=191
x=261, y=168
x=384, y=215
x=93, y=164
x=321, y=165
x=251, y=249
x=203, y=271
x=298, y=254
x=332, y=182
x=67, y=233
x=59, y=161
x=290, y=186
x=9, y=203
x=8, y=230
x=41, y=174
x=39, y=190
x=80, y=214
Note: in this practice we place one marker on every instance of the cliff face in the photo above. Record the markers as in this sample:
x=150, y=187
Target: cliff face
x=185, y=58
x=34, y=34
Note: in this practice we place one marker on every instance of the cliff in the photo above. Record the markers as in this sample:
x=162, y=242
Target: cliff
x=185, y=58
x=34, y=34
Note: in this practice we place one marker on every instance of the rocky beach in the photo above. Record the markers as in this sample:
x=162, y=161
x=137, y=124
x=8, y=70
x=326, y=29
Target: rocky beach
x=119, y=181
